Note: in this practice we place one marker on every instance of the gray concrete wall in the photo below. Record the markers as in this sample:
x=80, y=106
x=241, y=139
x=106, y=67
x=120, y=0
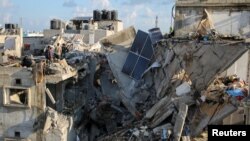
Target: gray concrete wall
x=20, y=119
x=240, y=67
x=230, y=17
x=35, y=43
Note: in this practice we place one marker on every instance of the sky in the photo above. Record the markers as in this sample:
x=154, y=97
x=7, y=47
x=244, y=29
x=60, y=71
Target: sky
x=35, y=15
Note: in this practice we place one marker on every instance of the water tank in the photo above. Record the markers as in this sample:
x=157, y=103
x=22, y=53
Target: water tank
x=114, y=15
x=9, y=26
x=94, y=14
x=15, y=26
x=97, y=15
x=104, y=14
x=54, y=24
x=109, y=17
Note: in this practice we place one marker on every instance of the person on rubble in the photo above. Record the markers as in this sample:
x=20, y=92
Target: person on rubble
x=58, y=51
x=64, y=50
x=49, y=54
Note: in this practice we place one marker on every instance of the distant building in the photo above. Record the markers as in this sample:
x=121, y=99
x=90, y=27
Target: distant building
x=21, y=102
x=11, y=41
x=93, y=28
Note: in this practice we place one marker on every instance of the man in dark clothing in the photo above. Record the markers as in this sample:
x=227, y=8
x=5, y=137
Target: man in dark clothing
x=49, y=53
x=64, y=50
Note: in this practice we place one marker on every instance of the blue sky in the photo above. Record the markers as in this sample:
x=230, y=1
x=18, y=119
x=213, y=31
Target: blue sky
x=36, y=14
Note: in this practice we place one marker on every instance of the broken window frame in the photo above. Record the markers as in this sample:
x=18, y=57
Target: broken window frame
x=7, y=100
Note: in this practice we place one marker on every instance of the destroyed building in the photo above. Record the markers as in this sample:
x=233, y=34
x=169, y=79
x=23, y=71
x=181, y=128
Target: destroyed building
x=230, y=17
x=86, y=31
x=11, y=42
x=131, y=85
x=22, y=101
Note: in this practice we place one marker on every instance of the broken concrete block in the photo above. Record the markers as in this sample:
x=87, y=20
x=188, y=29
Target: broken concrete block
x=183, y=89
x=223, y=113
x=162, y=115
x=50, y=95
x=159, y=128
x=169, y=57
x=235, y=118
x=180, y=121
x=150, y=113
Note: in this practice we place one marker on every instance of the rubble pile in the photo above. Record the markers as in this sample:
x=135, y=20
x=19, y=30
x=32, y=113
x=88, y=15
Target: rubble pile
x=169, y=101
x=82, y=84
x=137, y=86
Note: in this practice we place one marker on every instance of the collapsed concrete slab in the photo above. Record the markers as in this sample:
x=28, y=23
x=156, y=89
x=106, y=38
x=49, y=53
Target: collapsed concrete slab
x=56, y=126
x=201, y=62
x=59, y=71
x=119, y=46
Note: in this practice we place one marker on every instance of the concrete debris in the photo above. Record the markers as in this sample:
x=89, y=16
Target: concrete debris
x=56, y=125
x=206, y=24
x=50, y=95
x=180, y=121
x=58, y=71
x=181, y=88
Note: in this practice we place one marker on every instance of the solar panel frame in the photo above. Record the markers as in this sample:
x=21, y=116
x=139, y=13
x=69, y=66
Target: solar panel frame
x=143, y=52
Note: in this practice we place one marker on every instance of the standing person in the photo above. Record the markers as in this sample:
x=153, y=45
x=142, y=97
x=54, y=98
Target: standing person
x=50, y=54
x=46, y=52
x=64, y=50
x=58, y=51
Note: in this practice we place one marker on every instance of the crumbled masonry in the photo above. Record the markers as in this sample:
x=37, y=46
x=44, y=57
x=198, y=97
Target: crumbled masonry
x=85, y=95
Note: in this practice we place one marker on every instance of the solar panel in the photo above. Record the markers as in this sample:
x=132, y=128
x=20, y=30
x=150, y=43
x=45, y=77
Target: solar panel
x=147, y=51
x=139, y=56
x=130, y=63
x=140, y=67
x=139, y=42
x=155, y=35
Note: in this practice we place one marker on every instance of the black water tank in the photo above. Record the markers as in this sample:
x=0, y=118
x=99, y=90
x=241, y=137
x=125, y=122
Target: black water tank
x=104, y=14
x=114, y=15
x=9, y=26
x=95, y=15
x=55, y=24
x=109, y=17
x=98, y=15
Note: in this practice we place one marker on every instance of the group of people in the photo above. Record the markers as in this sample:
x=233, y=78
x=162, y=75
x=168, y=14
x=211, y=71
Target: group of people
x=57, y=52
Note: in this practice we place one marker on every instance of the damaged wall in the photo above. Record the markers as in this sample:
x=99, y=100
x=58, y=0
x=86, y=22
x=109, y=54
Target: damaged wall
x=240, y=67
x=230, y=17
x=34, y=43
x=18, y=112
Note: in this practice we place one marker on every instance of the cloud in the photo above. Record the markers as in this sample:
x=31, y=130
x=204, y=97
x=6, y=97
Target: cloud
x=69, y=3
x=6, y=4
x=140, y=2
x=5, y=17
x=81, y=11
x=104, y=4
x=149, y=12
x=137, y=2
x=168, y=2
